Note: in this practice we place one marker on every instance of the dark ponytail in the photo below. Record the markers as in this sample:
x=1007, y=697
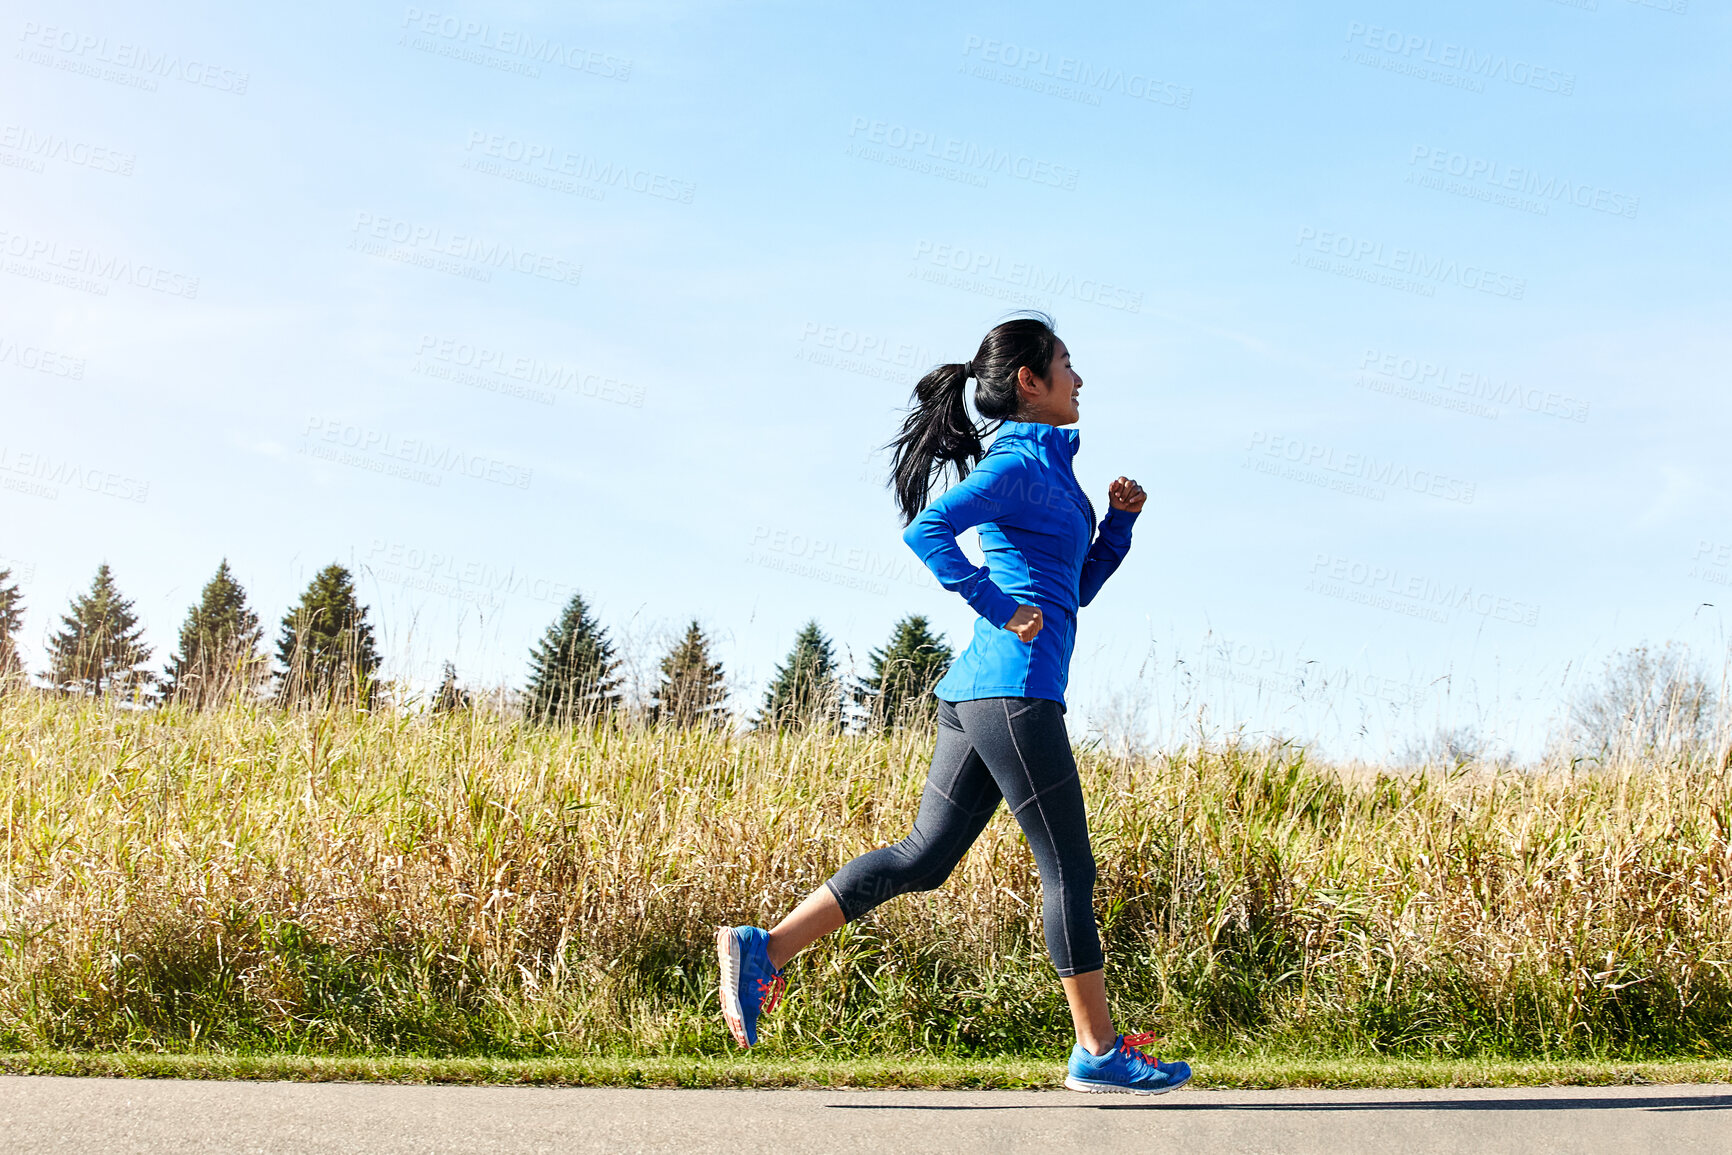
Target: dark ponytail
x=938, y=431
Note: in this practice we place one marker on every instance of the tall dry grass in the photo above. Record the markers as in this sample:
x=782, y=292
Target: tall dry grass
x=328, y=881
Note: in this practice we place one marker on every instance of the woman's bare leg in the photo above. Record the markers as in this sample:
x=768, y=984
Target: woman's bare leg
x=1087, y=996
x=817, y=915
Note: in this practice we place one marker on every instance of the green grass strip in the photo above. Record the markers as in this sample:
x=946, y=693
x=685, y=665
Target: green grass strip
x=934, y=1074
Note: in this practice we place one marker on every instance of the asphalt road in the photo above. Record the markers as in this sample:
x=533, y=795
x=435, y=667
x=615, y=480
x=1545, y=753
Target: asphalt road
x=39, y=1114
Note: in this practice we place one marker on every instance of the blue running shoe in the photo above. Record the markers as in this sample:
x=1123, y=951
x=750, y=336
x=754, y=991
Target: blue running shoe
x=750, y=984
x=1124, y=1070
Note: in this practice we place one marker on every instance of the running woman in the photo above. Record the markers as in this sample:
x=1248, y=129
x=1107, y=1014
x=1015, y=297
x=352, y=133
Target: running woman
x=1001, y=733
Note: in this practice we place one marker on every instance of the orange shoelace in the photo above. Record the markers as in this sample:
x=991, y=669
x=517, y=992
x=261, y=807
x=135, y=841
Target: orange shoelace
x=770, y=992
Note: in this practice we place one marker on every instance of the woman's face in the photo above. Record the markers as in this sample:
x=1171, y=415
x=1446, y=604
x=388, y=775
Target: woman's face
x=1054, y=400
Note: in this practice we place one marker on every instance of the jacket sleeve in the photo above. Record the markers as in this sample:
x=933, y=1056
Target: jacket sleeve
x=1104, y=556
x=980, y=497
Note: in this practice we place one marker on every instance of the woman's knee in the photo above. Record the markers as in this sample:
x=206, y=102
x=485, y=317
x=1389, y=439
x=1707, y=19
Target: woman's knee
x=935, y=877
x=929, y=864
x=905, y=867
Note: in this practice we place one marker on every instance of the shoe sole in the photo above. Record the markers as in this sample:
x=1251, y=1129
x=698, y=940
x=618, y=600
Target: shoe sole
x=1089, y=1087
x=728, y=955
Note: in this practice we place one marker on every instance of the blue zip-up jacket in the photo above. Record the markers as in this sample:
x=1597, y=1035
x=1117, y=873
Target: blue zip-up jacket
x=1036, y=529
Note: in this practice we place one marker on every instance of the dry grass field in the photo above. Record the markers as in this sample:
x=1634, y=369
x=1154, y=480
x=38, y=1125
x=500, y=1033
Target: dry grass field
x=331, y=883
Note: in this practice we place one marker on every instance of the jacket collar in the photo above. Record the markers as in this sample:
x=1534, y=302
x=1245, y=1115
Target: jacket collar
x=1038, y=431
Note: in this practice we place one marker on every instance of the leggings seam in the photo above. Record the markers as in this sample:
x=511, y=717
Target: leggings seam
x=966, y=811
x=1035, y=796
x=1052, y=840
x=938, y=791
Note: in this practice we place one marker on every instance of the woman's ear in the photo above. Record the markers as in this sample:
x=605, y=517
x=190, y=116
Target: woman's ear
x=1027, y=384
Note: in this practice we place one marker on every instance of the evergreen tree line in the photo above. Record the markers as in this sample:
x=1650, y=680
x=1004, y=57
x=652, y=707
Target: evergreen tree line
x=326, y=652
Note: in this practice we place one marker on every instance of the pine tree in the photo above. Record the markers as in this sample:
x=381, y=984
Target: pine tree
x=572, y=669
x=807, y=688
x=325, y=651
x=450, y=696
x=691, y=690
x=219, y=646
x=11, y=620
x=904, y=672
x=101, y=645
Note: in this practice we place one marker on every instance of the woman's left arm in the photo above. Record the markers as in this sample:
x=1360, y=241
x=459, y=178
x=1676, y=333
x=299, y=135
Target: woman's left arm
x=1125, y=499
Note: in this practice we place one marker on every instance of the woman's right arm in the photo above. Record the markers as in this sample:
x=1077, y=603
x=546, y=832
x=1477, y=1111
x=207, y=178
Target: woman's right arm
x=984, y=495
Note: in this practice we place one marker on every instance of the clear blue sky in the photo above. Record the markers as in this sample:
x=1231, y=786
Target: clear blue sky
x=1412, y=318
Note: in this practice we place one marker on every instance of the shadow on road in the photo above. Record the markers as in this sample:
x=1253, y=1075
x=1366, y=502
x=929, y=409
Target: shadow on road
x=1655, y=1103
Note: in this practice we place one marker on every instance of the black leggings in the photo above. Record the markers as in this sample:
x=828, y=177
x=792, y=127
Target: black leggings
x=989, y=749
